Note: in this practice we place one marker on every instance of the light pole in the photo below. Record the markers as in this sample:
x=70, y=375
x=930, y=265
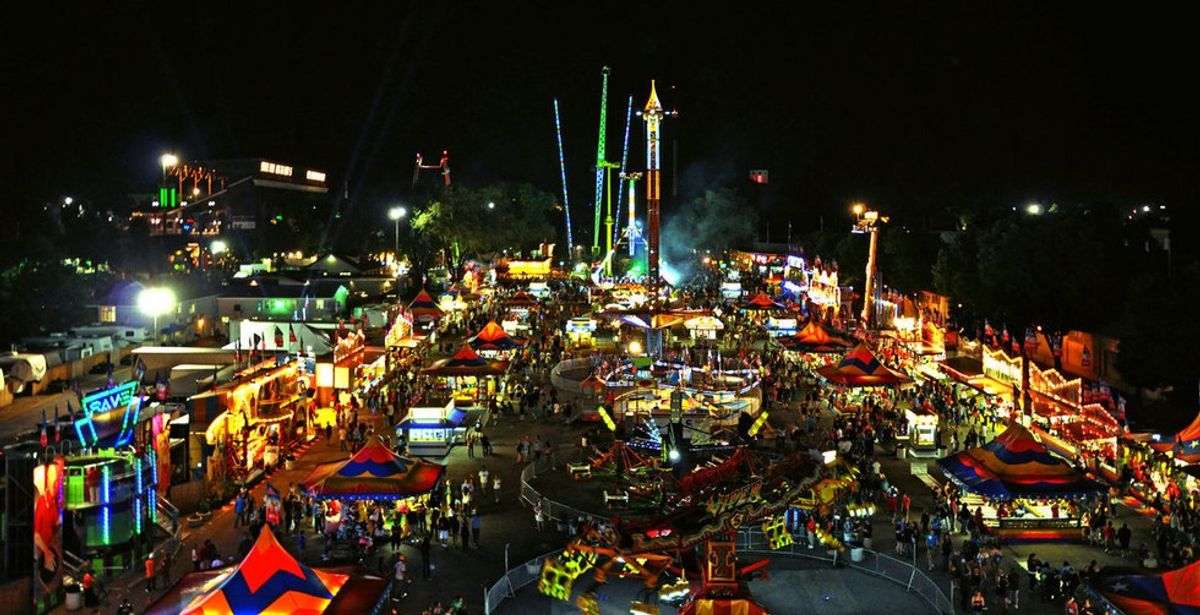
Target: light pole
x=155, y=302
x=167, y=160
x=868, y=221
x=395, y=214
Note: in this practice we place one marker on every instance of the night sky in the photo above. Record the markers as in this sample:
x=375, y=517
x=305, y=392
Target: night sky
x=972, y=104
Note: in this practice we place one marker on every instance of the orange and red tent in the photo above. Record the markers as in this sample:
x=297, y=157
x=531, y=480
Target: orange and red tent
x=861, y=368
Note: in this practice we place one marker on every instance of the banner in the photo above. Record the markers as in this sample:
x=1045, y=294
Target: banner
x=47, y=528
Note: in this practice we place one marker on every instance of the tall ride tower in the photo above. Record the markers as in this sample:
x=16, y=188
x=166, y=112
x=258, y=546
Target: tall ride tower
x=653, y=115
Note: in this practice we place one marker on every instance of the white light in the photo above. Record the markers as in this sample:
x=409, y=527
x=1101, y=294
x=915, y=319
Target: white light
x=396, y=213
x=1034, y=209
x=491, y=205
x=673, y=455
x=155, y=301
x=1146, y=208
x=635, y=347
x=168, y=160
x=218, y=247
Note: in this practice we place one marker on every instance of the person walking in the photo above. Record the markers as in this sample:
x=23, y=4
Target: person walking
x=476, y=525
x=239, y=509
x=426, y=567
x=150, y=578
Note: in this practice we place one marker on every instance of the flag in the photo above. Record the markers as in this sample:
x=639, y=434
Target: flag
x=988, y=331
x=57, y=429
x=110, y=375
x=272, y=505
x=43, y=439
x=139, y=370
x=1030, y=340
x=291, y=334
x=278, y=337
x=237, y=352
x=1004, y=337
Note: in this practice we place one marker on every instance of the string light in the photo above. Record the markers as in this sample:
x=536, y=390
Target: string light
x=105, y=512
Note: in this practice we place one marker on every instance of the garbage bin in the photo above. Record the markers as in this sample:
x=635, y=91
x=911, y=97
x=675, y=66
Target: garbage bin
x=74, y=598
x=857, y=554
x=900, y=450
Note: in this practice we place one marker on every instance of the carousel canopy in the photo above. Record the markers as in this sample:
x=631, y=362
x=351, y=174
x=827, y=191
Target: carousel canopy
x=269, y=580
x=1187, y=442
x=375, y=472
x=465, y=363
x=814, y=338
x=424, y=305
x=1173, y=592
x=493, y=337
x=1015, y=464
x=861, y=368
x=762, y=302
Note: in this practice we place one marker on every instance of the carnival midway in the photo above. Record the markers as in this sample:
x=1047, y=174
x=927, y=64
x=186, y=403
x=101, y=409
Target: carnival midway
x=528, y=437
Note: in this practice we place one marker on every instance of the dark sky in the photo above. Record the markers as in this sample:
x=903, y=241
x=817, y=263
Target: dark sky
x=912, y=108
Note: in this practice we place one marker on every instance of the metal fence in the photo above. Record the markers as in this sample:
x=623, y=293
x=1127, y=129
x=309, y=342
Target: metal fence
x=897, y=571
x=514, y=580
x=554, y=462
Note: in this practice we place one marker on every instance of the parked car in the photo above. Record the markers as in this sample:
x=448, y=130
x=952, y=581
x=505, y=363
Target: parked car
x=58, y=386
x=101, y=368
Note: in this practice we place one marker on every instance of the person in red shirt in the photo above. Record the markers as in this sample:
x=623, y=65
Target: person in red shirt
x=150, y=578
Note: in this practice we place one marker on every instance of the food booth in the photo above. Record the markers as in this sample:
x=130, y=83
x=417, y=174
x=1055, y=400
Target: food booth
x=1025, y=492
x=468, y=378
x=431, y=431
x=921, y=424
x=581, y=332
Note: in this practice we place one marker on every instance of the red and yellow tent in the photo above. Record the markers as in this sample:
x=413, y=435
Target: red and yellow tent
x=861, y=368
x=269, y=580
x=814, y=338
x=1187, y=442
x=465, y=363
x=1176, y=591
x=762, y=302
x=494, y=337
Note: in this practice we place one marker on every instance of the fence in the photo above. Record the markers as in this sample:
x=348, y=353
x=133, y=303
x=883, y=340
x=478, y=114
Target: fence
x=555, y=461
x=514, y=580
x=897, y=571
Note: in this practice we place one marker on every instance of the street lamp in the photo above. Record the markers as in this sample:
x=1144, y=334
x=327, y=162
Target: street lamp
x=167, y=161
x=155, y=302
x=491, y=205
x=395, y=214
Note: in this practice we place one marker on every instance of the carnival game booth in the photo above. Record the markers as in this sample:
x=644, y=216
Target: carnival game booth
x=1176, y=592
x=467, y=377
x=375, y=472
x=857, y=372
x=1026, y=493
x=337, y=371
x=264, y=412
x=581, y=332
x=431, y=431
x=269, y=581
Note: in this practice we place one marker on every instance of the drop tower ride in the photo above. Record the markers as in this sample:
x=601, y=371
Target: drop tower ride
x=653, y=115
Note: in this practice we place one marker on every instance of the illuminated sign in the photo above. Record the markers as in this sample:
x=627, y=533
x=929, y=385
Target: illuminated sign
x=107, y=407
x=796, y=262
x=275, y=168
x=314, y=176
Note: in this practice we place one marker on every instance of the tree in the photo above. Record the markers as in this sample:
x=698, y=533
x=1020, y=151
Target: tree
x=484, y=221
x=1159, y=347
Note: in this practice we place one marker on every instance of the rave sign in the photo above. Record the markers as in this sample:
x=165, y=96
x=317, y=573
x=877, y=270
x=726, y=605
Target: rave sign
x=106, y=407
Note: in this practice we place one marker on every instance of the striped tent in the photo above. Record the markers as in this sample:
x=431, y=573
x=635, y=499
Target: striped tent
x=423, y=305
x=375, y=472
x=761, y=302
x=1187, y=442
x=1176, y=592
x=1015, y=464
x=269, y=580
x=493, y=337
x=813, y=338
x=861, y=368
x=465, y=363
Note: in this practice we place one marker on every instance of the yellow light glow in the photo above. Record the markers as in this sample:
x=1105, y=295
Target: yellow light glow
x=858, y=209
x=635, y=347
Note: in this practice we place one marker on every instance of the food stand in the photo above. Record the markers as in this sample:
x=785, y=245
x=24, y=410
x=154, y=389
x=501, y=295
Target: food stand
x=922, y=427
x=581, y=332
x=432, y=431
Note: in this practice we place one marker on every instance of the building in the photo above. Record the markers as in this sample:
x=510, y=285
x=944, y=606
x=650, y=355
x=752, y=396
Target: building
x=193, y=316
x=280, y=298
x=254, y=205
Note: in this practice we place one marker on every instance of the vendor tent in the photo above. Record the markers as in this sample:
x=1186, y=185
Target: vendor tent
x=521, y=299
x=1173, y=592
x=861, y=368
x=1015, y=464
x=1187, y=442
x=814, y=338
x=465, y=363
x=423, y=305
x=375, y=472
x=493, y=337
x=762, y=302
x=269, y=580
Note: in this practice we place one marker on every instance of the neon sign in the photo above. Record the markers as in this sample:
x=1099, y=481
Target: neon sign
x=103, y=405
